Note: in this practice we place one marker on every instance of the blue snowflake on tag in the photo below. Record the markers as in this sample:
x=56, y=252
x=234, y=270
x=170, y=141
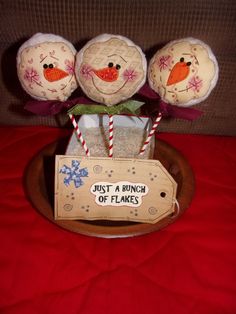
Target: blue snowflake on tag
x=74, y=173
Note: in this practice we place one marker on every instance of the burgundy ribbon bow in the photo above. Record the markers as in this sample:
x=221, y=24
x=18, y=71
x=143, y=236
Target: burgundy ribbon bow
x=53, y=107
x=168, y=110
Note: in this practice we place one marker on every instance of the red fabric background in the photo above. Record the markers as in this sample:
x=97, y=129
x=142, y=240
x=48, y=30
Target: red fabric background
x=189, y=267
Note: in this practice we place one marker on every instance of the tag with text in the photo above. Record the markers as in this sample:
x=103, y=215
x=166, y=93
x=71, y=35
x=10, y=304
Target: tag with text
x=113, y=189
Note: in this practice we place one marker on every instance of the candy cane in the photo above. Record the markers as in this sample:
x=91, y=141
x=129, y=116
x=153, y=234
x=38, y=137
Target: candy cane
x=110, y=135
x=79, y=134
x=153, y=129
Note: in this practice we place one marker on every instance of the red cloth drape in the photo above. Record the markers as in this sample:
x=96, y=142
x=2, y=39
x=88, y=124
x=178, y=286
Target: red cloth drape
x=187, y=268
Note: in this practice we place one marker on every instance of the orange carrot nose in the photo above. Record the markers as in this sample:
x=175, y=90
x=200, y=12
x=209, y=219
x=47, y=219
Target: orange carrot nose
x=52, y=74
x=109, y=74
x=179, y=72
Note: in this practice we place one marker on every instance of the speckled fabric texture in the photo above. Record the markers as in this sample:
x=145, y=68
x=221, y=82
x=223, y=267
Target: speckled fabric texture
x=150, y=24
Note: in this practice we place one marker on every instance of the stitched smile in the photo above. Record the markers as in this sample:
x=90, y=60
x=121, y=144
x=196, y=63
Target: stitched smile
x=111, y=93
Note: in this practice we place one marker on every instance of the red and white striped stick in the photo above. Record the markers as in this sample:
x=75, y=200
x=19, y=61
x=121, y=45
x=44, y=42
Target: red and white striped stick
x=79, y=134
x=153, y=129
x=110, y=135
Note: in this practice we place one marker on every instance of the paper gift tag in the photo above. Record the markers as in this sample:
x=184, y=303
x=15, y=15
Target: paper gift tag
x=113, y=189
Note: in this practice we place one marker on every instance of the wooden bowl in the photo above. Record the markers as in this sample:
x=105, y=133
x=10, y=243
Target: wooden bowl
x=39, y=185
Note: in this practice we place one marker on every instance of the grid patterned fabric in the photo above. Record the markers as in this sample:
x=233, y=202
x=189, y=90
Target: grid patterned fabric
x=150, y=24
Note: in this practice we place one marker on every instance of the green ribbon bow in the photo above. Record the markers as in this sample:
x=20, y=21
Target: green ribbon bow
x=128, y=107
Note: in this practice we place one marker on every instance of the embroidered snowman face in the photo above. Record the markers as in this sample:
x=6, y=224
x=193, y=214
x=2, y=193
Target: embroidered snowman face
x=184, y=72
x=45, y=65
x=110, y=69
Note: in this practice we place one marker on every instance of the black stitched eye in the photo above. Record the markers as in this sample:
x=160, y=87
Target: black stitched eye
x=118, y=67
x=189, y=63
x=45, y=66
x=181, y=60
x=50, y=65
x=110, y=64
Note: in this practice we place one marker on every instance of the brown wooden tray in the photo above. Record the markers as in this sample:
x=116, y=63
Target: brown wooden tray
x=39, y=185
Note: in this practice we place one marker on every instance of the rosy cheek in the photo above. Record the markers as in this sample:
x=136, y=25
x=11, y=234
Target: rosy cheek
x=70, y=67
x=86, y=71
x=195, y=83
x=31, y=75
x=164, y=62
x=130, y=75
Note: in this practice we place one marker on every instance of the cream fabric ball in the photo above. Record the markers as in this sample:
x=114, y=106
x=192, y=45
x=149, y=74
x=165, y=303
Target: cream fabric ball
x=45, y=67
x=184, y=72
x=110, y=69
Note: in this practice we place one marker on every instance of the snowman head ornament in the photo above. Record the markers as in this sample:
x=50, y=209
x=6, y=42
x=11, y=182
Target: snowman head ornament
x=184, y=72
x=110, y=69
x=45, y=67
